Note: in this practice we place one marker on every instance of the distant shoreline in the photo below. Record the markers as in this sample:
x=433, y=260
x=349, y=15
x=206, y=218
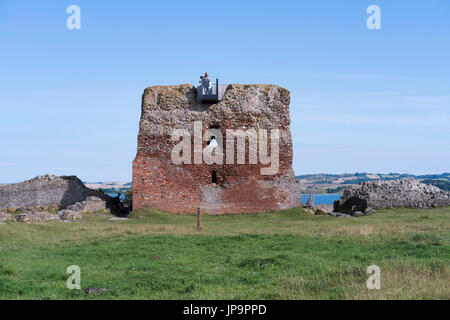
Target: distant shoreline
x=323, y=183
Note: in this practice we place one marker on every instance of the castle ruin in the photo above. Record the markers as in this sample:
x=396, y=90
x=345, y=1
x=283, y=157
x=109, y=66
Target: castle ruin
x=175, y=125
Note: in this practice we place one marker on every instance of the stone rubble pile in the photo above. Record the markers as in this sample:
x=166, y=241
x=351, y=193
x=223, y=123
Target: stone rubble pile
x=49, y=177
x=397, y=193
x=72, y=212
x=48, y=192
x=77, y=210
x=327, y=210
x=36, y=216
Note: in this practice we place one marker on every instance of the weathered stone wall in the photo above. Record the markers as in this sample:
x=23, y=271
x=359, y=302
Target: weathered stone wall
x=181, y=188
x=46, y=190
x=397, y=193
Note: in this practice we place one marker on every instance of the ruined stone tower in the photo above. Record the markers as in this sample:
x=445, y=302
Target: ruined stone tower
x=233, y=186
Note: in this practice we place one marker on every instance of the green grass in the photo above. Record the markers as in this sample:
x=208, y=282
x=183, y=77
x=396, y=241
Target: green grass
x=283, y=255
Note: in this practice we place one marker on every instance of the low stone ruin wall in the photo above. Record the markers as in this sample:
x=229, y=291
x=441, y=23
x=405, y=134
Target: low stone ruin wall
x=72, y=212
x=395, y=193
x=50, y=192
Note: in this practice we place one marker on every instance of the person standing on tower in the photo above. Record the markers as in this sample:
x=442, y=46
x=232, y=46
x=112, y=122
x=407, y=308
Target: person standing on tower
x=206, y=83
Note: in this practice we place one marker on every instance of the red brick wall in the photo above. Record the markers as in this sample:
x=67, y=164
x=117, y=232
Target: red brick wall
x=161, y=184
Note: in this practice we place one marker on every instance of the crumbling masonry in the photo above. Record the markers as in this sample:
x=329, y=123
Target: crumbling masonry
x=161, y=183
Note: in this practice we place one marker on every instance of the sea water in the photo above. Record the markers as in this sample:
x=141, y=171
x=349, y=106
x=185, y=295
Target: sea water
x=327, y=198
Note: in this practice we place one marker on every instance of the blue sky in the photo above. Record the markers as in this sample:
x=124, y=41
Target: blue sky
x=361, y=100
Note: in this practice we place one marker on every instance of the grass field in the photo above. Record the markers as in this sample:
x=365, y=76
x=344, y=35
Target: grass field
x=283, y=255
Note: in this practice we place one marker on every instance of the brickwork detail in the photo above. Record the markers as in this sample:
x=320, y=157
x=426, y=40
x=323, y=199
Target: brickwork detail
x=238, y=188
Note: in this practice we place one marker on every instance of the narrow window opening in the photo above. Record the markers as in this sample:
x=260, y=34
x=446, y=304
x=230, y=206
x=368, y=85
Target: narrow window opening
x=212, y=142
x=214, y=177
